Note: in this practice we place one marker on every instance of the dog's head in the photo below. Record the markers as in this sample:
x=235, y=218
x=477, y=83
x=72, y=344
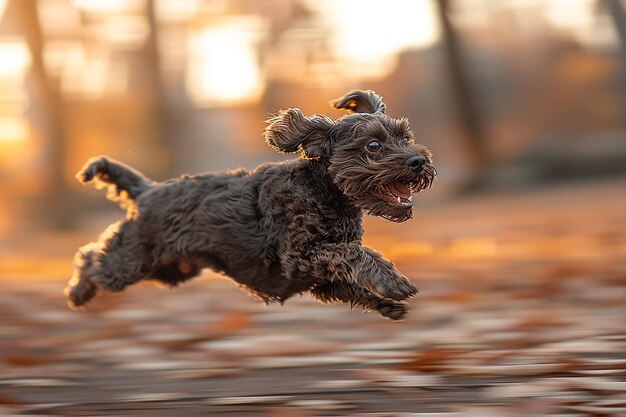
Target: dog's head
x=370, y=156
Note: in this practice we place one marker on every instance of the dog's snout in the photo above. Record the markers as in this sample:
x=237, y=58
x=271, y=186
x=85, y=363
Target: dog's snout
x=416, y=162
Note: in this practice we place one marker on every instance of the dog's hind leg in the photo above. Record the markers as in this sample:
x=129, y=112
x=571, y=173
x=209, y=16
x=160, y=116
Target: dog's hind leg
x=113, y=263
x=81, y=287
x=331, y=291
x=124, y=183
x=175, y=271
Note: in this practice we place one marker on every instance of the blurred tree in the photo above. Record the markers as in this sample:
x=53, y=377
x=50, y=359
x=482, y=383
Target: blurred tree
x=618, y=15
x=49, y=102
x=161, y=113
x=472, y=132
x=619, y=20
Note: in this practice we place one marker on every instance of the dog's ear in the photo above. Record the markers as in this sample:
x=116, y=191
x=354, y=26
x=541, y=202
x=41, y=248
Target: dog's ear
x=290, y=131
x=359, y=101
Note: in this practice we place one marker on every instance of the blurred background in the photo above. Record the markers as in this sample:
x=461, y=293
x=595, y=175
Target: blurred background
x=518, y=248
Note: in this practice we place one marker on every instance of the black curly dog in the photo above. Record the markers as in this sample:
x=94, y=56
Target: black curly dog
x=279, y=230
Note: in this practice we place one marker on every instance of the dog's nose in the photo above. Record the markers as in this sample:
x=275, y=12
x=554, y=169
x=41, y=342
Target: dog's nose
x=416, y=163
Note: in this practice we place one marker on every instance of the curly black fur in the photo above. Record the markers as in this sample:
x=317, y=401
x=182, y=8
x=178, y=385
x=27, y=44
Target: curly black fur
x=279, y=230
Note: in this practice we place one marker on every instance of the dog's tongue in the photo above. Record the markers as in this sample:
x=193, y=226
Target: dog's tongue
x=399, y=190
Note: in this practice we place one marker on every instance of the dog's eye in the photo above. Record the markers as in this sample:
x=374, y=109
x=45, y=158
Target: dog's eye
x=373, y=146
x=404, y=140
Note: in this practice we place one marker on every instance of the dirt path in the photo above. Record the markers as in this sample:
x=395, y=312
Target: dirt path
x=522, y=312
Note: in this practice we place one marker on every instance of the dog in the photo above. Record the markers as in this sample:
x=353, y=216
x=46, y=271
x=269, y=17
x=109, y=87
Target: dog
x=278, y=230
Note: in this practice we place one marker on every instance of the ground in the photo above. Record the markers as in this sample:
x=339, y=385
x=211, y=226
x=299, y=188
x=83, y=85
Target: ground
x=521, y=311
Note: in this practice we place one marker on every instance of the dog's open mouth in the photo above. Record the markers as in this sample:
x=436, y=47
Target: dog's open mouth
x=397, y=193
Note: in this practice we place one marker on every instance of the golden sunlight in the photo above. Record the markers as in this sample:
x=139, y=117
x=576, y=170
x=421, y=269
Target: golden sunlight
x=473, y=247
x=109, y=6
x=3, y=5
x=14, y=59
x=370, y=33
x=177, y=10
x=569, y=14
x=12, y=130
x=123, y=31
x=224, y=66
x=579, y=19
x=91, y=74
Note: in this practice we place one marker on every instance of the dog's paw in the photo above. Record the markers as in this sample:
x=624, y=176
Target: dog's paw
x=393, y=310
x=88, y=174
x=395, y=286
x=79, y=292
x=92, y=168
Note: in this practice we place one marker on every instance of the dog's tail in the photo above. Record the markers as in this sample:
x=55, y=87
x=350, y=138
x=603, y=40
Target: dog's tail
x=123, y=183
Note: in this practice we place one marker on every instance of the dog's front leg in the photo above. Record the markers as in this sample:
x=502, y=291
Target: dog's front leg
x=333, y=291
x=353, y=263
x=380, y=276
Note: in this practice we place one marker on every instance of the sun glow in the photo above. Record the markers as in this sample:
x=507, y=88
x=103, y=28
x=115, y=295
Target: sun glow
x=3, y=5
x=14, y=59
x=12, y=130
x=579, y=19
x=224, y=66
x=109, y=6
x=89, y=75
x=370, y=33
